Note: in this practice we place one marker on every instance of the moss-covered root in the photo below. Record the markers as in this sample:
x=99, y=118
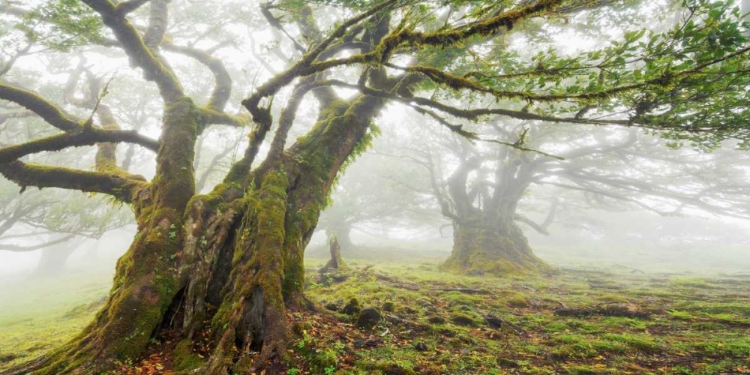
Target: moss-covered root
x=144, y=287
x=252, y=314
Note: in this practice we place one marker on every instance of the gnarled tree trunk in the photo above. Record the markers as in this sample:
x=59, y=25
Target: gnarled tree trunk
x=228, y=264
x=497, y=246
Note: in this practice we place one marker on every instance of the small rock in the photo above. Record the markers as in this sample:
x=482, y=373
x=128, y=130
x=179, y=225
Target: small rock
x=352, y=308
x=436, y=319
x=370, y=343
x=389, y=306
x=463, y=320
x=332, y=307
x=504, y=362
x=420, y=346
x=465, y=351
x=493, y=321
x=447, y=333
x=368, y=318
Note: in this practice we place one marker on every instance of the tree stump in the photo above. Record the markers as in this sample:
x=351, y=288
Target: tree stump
x=336, y=263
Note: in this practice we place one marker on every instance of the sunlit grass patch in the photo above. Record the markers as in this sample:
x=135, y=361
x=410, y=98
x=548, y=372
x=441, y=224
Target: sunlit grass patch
x=419, y=335
x=681, y=315
x=589, y=370
x=638, y=342
x=691, y=282
x=37, y=315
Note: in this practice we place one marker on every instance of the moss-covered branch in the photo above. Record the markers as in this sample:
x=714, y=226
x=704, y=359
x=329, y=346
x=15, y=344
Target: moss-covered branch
x=211, y=116
x=154, y=68
x=84, y=137
x=47, y=110
x=286, y=119
x=125, y=189
x=491, y=26
x=472, y=114
x=126, y=7
x=222, y=80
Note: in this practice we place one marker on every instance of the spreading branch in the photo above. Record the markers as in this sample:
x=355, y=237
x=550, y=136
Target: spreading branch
x=125, y=189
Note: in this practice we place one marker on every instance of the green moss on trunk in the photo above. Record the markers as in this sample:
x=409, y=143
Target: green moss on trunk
x=497, y=248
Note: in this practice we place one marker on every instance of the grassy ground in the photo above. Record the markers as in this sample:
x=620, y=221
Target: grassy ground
x=579, y=321
x=37, y=314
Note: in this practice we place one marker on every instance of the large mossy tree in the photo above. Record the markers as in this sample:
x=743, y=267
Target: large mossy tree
x=229, y=263
x=493, y=193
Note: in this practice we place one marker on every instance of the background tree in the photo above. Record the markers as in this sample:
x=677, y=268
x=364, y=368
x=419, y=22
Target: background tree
x=481, y=187
x=229, y=263
x=54, y=221
x=379, y=195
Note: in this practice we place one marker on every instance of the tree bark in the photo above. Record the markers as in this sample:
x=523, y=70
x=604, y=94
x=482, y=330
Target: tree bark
x=228, y=264
x=497, y=246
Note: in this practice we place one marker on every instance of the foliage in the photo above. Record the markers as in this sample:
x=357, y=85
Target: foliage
x=62, y=25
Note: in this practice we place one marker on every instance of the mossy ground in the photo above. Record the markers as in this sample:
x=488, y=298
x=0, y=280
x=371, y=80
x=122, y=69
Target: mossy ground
x=437, y=323
x=37, y=315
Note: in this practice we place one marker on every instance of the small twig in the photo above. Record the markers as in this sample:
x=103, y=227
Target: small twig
x=90, y=121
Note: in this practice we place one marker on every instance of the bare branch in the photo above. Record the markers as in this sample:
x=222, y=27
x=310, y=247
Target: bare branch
x=19, y=248
x=223, y=81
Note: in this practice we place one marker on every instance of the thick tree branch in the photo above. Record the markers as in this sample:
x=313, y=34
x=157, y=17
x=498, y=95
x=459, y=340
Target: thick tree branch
x=222, y=80
x=35, y=103
x=20, y=248
x=154, y=67
x=214, y=117
x=125, y=189
x=84, y=137
x=532, y=224
x=126, y=7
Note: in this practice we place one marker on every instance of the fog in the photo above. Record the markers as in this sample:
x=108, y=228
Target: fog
x=187, y=167
x=386, y=202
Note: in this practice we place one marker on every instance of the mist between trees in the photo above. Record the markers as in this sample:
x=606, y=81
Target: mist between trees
x=211, y=146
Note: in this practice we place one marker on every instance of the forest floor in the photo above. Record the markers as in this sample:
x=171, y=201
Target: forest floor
x=576, y=321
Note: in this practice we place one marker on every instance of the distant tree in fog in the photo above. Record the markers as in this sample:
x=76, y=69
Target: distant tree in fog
x=487, y=190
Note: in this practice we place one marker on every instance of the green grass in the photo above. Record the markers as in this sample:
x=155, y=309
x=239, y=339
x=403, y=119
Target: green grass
x=38, y=315
x=697, y=324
